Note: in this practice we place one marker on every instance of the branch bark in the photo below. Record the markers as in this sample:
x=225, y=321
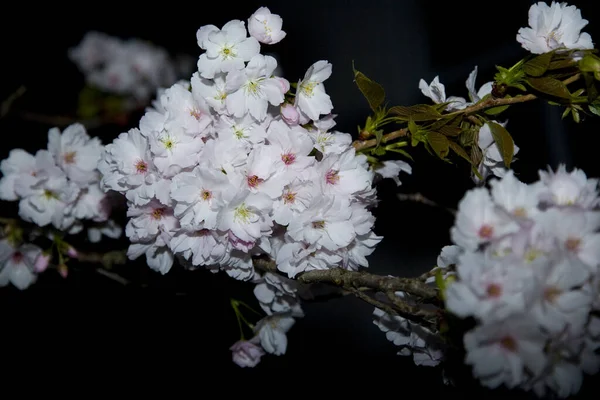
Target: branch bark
x=475, y=108
x=354, y=281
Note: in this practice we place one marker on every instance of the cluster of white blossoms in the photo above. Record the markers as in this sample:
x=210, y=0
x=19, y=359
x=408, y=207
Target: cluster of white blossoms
x=218, y=172
x=56, y=188
x=132, y=67
x=527, y=271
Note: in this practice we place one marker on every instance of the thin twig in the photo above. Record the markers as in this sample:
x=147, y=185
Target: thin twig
x=419, y=198
x=111, y=275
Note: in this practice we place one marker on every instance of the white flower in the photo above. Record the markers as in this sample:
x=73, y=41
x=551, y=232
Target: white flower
x=277, y=294
x=202, y=247
x=252, y=89
x=478, y=221
x=272, y=332
x=436, y=91
x=311, y=98
x=17, y=264
x=47, y=201
x=213, y=91
x=186, y=110
x=564, y=188
x=448, y=257
x=19, y=166
x=392, y=168
x=76, y=153
x=246, y=215
x=227, y=49
x=265, y=26
x=326, y=222
x=198, y=196
x=489, y=288
x=554, y=27
x=246, y=353
x=503, y=352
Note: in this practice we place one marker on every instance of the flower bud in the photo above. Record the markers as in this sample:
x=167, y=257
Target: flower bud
x=290, y=114
x=590, y=63
x=71, y=252
x=63, y=270
x=41, y=262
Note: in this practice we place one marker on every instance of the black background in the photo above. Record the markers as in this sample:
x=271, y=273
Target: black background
x=182, y=322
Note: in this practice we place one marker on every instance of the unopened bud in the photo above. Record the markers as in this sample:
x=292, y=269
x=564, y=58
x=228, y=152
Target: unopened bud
x=41, y=263
x=590, y=63
x=63, y=270
x=71, y=252
x=498, y=91
x=290, y=114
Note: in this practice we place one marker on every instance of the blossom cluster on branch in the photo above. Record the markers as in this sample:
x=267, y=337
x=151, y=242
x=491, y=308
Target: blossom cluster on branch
x=240, y=170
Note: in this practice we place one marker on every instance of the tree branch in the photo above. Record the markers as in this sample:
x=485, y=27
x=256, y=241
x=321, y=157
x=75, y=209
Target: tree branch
x=475, y=108
x=355, y=283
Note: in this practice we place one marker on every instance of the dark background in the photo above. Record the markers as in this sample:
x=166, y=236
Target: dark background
x=167, y=323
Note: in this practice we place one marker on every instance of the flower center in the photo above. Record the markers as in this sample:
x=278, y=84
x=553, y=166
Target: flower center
x=17, y=257
x=69, y=157
x=308, y=88
x=520, y=212
x=205, y=195
x=253, y=181
x=494, y=290
x=318, y=224
x=242, y=213
x=572, y=244
x=551, y=294
x=158, y=213
x=289, y=197
x=227, y=52
x=288, y=158
x=49, y=194
x=486, y=232
x=141, y=167
x=196, y=113
x=508, y=343
x=332, y=177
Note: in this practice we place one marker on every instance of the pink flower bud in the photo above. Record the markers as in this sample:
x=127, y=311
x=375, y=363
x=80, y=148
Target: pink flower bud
x=284, y=83
x=63, y=270
x=246, y=354
x=71, y=252
x=290, y=114
x=41, y=263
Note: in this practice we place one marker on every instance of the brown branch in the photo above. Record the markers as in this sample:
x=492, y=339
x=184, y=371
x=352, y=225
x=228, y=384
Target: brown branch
x=419, y=198
x=356, y=282
x=475, y=108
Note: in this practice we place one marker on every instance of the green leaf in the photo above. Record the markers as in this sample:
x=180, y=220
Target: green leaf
x=372, y=90
x=460, y=151
x=496, y=110
x=590, y=84
x=476, y=155
x=504, y=141
x=403, y=152
x=561, y=64
x=419, y=112
x=439, y=143
x=449, y=130
x=550, y=86
x=412, y=127
x=595, y=108
x=538, y=65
